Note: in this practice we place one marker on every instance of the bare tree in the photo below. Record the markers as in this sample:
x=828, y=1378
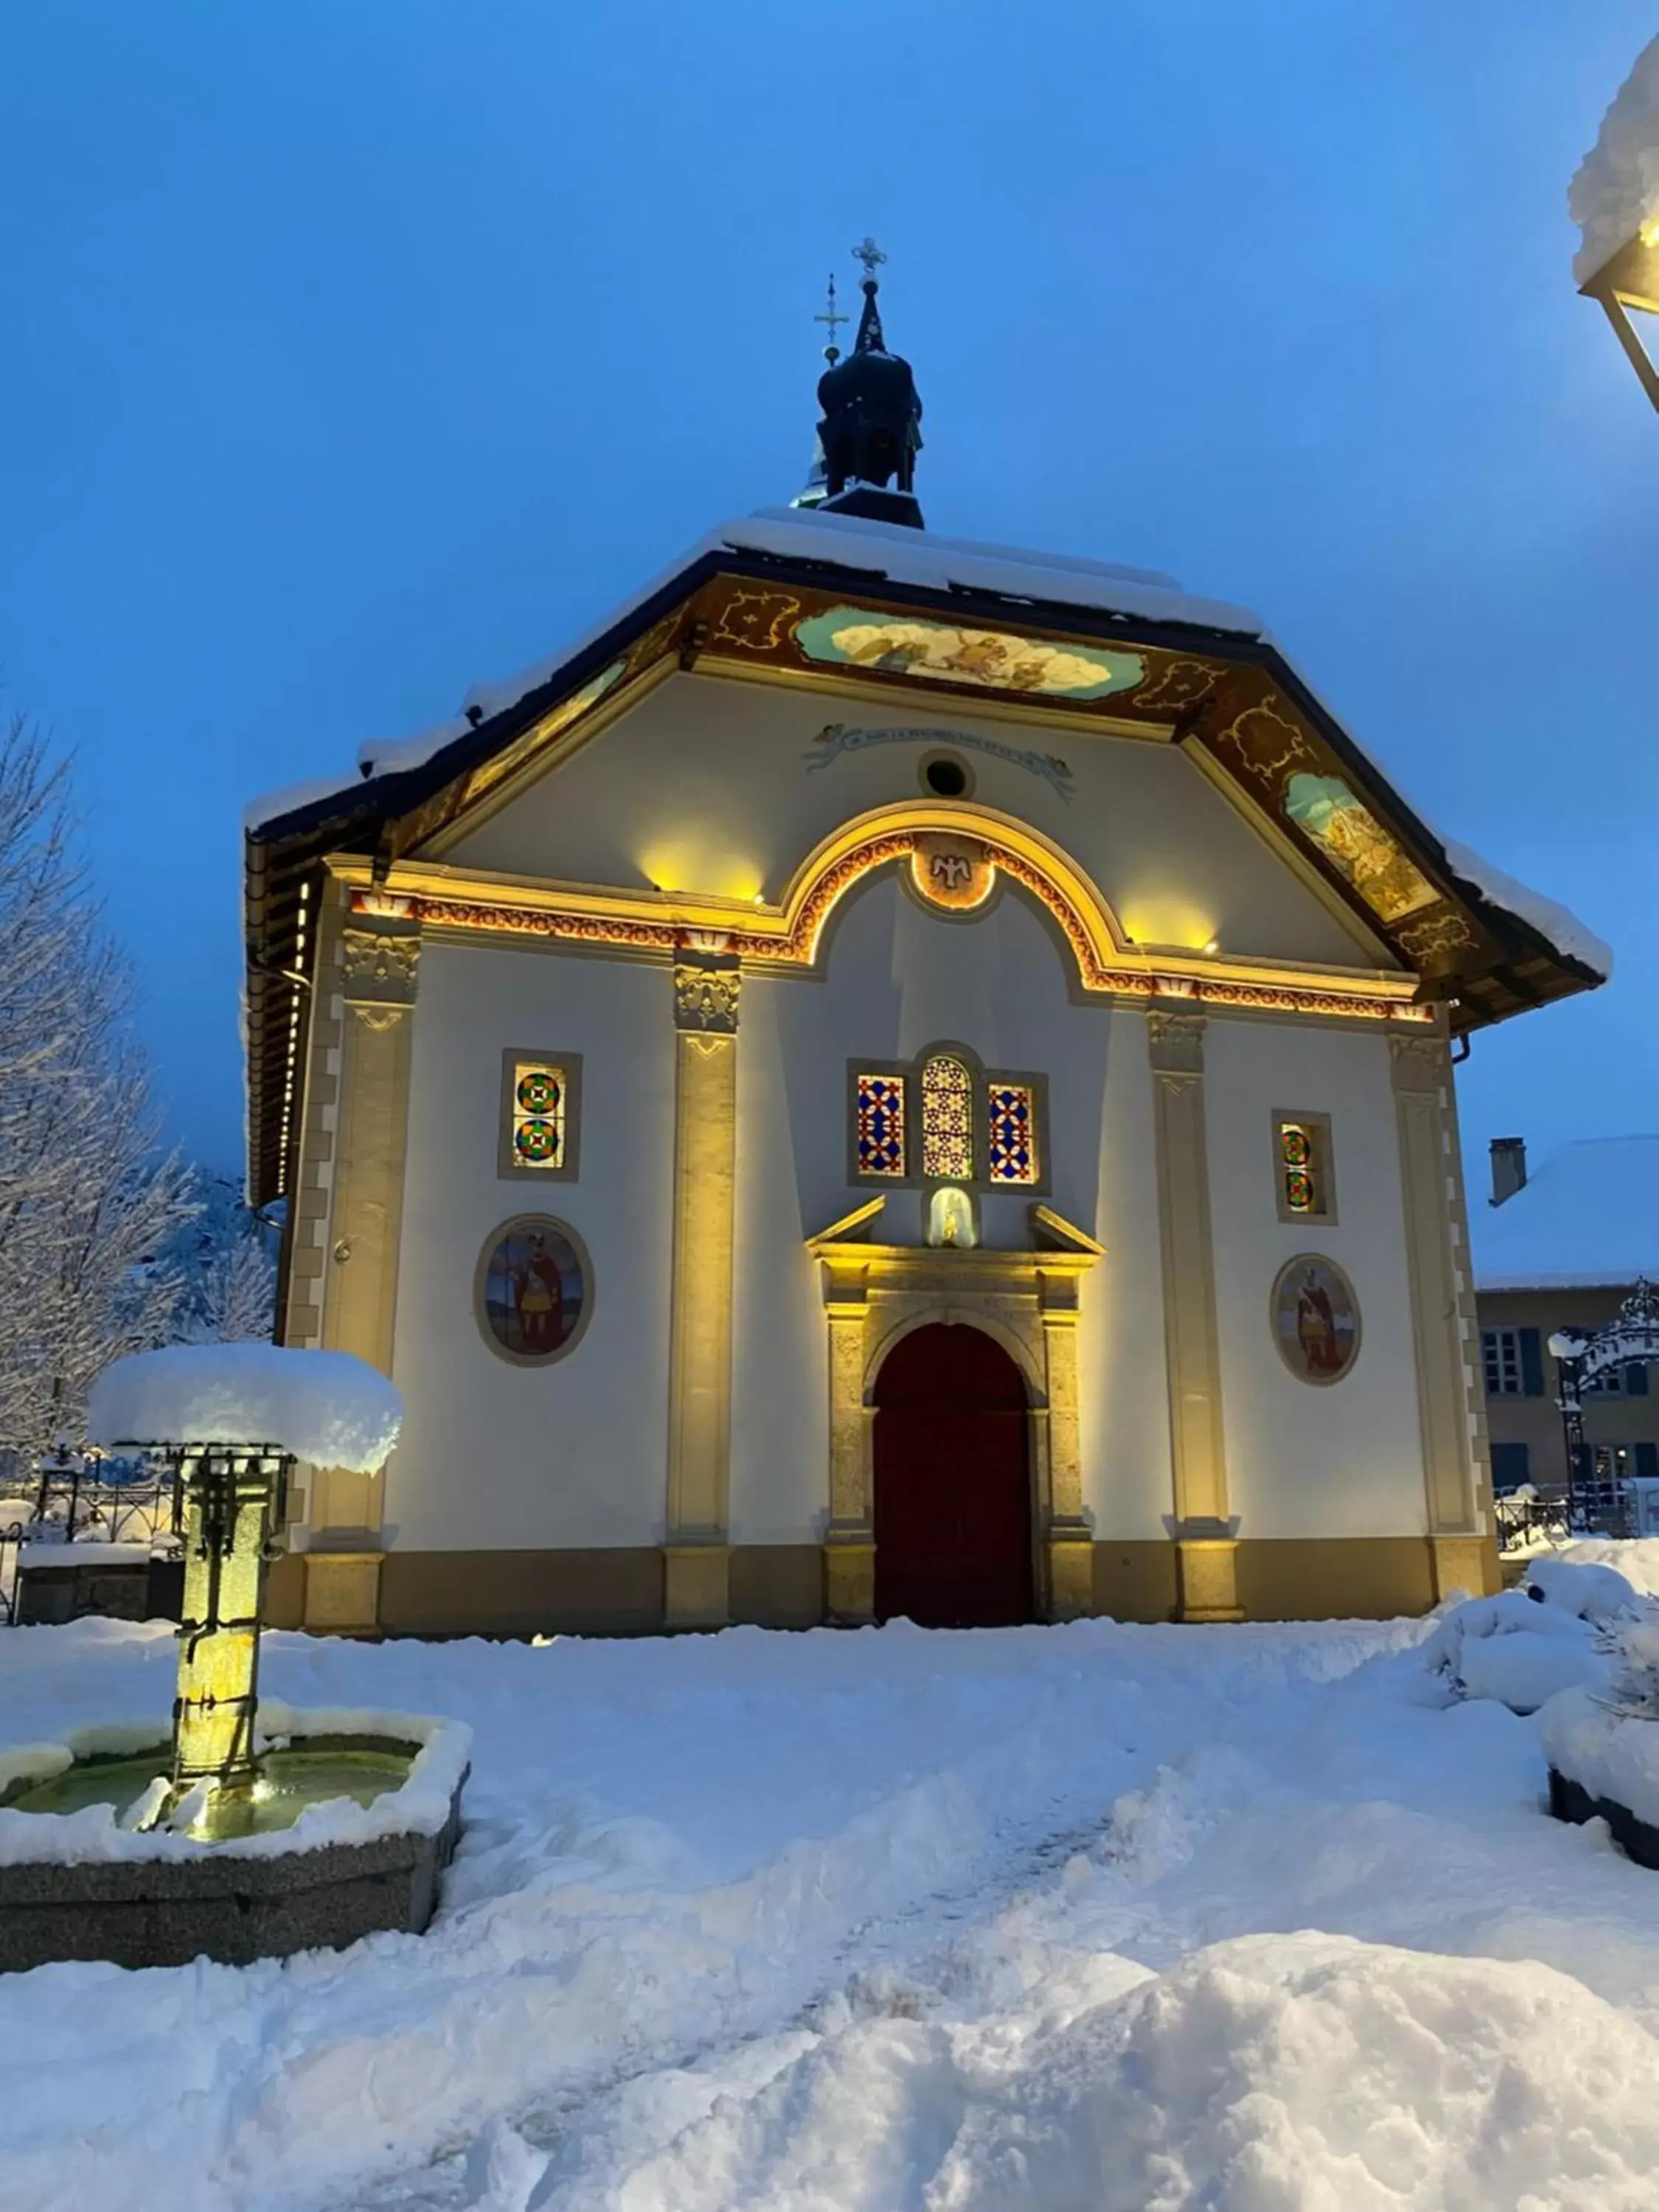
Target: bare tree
x=85, y=1202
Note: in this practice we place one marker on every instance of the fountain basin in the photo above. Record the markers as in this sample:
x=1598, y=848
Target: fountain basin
x=355, y=1818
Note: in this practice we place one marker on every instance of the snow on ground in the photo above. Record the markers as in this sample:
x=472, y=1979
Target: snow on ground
x=1126, y=1918
x=1636, y=1558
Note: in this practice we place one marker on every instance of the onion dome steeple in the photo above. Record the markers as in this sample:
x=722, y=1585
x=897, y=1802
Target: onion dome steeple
x=870, y=433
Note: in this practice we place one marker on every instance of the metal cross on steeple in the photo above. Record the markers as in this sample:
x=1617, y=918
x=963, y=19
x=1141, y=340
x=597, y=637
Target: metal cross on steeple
x=870, y=255
x=832, y=351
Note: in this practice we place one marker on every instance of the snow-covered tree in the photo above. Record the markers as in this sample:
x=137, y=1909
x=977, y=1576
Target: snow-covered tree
x=87, y=1204
x=238, y=1302
x=226, y=1257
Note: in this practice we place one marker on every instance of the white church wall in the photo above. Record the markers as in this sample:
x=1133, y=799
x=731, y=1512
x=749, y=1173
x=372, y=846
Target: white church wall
x=713, y=786
x=897, y=978
x=572, y=1454
x=1304, y=1460
x=1127, y=1479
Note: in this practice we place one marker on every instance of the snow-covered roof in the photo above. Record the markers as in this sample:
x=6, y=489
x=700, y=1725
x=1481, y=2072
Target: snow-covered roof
x=1556, y=924
x=1588, y=1216
x=878, y=549
x=1616, y=190
x=892, y=551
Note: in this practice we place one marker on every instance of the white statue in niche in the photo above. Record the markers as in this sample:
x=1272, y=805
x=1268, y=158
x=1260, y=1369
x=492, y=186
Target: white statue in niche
x=951, y=1218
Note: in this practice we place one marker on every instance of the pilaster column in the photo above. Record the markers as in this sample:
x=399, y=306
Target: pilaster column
x=381, y=957
x=1205, y=1537
x=849, y=1540
x=1069, y=1540
x=696, y=1548
x=1432, y=1189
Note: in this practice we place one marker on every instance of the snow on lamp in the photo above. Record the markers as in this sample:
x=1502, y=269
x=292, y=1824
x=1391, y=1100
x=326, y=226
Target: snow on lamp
x=1614, y=199
x=233, y=1418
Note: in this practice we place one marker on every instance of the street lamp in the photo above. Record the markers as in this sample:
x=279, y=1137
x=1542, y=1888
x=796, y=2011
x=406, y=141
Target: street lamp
x=1629, y=284
x=1615, y=200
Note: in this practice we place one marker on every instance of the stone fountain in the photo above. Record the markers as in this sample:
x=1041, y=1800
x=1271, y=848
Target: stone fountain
x=249, y=1830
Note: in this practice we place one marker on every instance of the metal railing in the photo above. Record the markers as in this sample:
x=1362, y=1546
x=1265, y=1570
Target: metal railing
x=67, y=1498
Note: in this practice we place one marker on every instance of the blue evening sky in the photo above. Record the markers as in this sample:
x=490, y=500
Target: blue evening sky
x=359, y=350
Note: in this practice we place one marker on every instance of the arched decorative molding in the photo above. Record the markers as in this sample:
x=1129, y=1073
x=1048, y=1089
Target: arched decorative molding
x=927, y=834
x=1023, y=1344
x=1106, y=960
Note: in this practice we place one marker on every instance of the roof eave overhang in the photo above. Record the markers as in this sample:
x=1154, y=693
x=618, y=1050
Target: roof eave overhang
x=288, y=852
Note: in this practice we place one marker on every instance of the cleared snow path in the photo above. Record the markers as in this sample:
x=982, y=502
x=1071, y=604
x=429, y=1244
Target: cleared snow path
x=889, y=1920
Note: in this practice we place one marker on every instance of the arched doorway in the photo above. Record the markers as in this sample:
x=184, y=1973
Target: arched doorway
x=952, y=1482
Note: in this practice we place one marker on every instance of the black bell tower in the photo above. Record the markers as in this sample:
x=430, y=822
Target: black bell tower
x=870, y=433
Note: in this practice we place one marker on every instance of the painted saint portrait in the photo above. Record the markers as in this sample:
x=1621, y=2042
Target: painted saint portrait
x=1316, y=1319
x=534, y=1289
x=1356, y=845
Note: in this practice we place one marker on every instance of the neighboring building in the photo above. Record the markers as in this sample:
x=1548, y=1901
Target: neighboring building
x=1557, y=1250
x=899, y=1076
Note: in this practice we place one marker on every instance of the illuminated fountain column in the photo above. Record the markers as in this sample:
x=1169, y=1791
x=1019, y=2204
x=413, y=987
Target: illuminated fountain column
x=229, y=1496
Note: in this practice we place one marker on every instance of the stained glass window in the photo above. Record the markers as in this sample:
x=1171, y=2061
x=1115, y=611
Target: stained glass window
x=1011, y=1141
x=947, y=1119
x=539, y=1104
x=1298, y=1165
x=881, y=1146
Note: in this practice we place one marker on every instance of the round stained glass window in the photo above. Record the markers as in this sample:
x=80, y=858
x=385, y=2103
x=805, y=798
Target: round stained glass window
x=535, y=1142
x=538, y=1091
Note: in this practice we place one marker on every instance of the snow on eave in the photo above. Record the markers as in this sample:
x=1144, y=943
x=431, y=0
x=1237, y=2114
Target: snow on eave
x=904, y=555
x=885, y=551
x=1590, y=1278
x=1558, y=926
x=1616, y=190
x=272, y=806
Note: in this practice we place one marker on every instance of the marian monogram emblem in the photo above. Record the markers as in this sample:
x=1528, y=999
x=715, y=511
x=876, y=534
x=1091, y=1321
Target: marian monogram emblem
x=951, y=871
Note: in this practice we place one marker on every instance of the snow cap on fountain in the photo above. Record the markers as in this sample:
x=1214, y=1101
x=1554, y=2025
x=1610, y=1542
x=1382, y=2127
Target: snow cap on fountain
x=329, y=1407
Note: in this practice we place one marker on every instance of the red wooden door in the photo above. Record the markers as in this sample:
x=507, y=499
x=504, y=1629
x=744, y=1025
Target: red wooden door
x=953, y=1498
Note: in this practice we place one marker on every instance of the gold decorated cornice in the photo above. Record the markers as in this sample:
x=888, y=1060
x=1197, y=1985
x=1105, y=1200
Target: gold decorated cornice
x=790, y=934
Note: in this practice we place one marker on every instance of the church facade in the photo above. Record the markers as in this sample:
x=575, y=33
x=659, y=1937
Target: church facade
x=900, y=1078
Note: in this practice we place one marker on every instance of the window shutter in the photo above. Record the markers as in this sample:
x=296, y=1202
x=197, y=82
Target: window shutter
x=1647, y=1460
x=1636, y=1379
x=1510, y=1466
x=1532, y=1364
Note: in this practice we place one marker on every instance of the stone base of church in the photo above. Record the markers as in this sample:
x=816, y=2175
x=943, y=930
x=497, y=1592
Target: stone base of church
x=625, y=1592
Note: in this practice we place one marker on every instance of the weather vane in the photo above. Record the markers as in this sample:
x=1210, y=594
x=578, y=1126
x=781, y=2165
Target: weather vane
x=870, y=255
x=832, y=351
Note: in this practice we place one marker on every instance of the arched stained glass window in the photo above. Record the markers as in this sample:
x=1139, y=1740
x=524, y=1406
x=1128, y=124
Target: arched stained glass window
x=947, y=1119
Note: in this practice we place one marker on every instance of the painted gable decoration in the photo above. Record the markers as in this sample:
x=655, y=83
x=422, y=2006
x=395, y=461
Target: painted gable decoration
x=1058, y=640
x=863, y=637
x=1350, y=836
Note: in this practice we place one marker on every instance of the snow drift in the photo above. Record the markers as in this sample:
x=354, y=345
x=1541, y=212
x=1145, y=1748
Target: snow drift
x=1281, y=2074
